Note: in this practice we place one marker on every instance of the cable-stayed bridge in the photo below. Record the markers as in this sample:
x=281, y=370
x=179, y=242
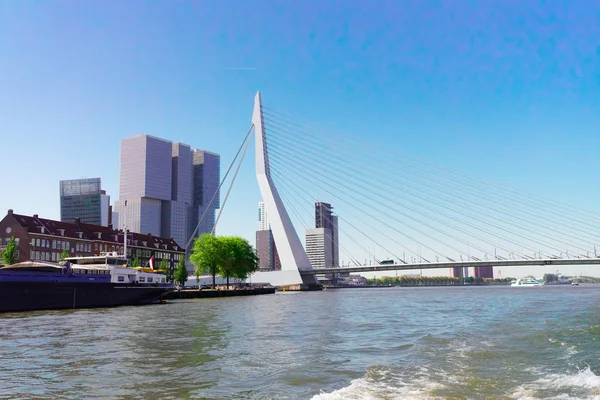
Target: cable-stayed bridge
x=395, y=207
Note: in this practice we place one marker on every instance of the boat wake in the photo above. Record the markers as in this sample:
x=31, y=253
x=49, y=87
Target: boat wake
x=380, y=383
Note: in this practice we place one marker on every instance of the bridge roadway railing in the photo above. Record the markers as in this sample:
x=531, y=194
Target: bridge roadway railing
x=456, y=264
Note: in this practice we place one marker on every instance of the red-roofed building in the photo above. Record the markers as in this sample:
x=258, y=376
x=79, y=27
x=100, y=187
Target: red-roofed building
x=44, y=239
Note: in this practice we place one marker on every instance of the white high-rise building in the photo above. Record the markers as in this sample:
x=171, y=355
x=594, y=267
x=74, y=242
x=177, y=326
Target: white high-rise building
x=318, y=247
x=322, y=245
x=263, y=219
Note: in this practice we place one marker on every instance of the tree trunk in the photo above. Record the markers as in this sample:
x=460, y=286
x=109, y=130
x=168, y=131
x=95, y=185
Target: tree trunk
x=214, y=280
x=227, y=282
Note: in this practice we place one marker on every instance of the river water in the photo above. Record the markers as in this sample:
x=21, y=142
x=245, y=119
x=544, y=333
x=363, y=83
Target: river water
x=388, y=343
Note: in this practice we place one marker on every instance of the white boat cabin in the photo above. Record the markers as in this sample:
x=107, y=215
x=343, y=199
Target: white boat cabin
x=116, y=266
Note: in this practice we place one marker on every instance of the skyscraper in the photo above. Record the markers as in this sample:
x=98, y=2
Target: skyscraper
x=263, y=219
x=164, y=187
x=84, y=199
x=265, y=244
x=322, y=244
x=206, y=175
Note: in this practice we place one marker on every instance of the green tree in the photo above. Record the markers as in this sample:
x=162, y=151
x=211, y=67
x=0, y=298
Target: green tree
x=237, y=258
x=246, y=260
x=136, y=262
x=63, y=255
x=181, y=273
x=9, y=255
x=165, y=267
x=206, y=256
x=227, y=257
x=549, y=278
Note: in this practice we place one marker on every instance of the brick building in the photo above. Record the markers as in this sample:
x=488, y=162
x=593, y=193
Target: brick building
x=44, y=240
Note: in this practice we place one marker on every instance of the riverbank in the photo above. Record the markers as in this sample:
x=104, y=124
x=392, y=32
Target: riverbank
x=414, y=285
x=209, y=293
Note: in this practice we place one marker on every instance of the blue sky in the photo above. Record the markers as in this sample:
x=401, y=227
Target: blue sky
x=505, y=90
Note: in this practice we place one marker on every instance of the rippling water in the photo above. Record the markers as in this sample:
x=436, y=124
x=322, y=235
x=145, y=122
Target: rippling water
x=390, y=343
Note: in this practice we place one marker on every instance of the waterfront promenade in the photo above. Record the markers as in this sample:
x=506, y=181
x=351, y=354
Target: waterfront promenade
x=211, y=294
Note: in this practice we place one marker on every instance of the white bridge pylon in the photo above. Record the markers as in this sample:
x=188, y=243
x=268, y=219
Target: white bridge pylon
x=289, y=248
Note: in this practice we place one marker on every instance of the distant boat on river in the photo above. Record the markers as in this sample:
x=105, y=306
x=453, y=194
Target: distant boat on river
x=527, y=282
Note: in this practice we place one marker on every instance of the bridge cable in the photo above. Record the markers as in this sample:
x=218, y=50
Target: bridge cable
x=192, y=237
x=299, y=194
x=420, y=171
x=276, y=148
x=433, y=201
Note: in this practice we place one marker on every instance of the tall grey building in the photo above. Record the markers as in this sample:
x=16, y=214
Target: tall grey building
x=322, y=243
x=84, y=199
x=164, y=186
x=265, y=243
x=206, y=176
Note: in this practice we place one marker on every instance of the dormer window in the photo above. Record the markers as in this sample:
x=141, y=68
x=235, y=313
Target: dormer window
x=80, y=234
x=62, y=232
x=156, y=245
x=99, y=235
x=145, y=243
x=42, y=229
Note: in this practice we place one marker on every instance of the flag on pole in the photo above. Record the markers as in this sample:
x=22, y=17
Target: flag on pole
x=151, y=262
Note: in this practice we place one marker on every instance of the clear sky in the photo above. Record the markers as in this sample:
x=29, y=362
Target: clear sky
x=506, y=90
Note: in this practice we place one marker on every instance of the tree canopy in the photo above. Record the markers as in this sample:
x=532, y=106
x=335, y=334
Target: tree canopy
x=238, y=258
x=63, y=255
x=164, y=266
x=9, y=255
x=206, y=255
x=227, y=256
x=181, y=273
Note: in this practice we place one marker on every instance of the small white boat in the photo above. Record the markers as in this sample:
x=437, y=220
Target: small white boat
x=527, y=282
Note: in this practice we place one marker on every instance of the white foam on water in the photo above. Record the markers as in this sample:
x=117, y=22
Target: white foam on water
x=364, y=389
x=392, y=387
x=571, y=351
x=585, y=379
x=585, y=383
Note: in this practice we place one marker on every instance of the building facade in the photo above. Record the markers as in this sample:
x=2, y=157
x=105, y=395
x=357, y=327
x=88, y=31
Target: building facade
x=166, y=187
x=84, y=199
x=322, y=243
x=483, y=272
x=266, y=250
x=41, y=239
x=456, y=272
x=263, y=219
x=206, y=196
x=318, y=247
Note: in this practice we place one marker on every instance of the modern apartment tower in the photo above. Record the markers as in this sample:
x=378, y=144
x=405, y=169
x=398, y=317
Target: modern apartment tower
x=165, y=187
x=84, y=199
x=263, y=219
x=265, y=244
x=322, y=244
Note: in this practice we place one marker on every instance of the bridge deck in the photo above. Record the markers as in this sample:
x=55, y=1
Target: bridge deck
x=457, y=264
